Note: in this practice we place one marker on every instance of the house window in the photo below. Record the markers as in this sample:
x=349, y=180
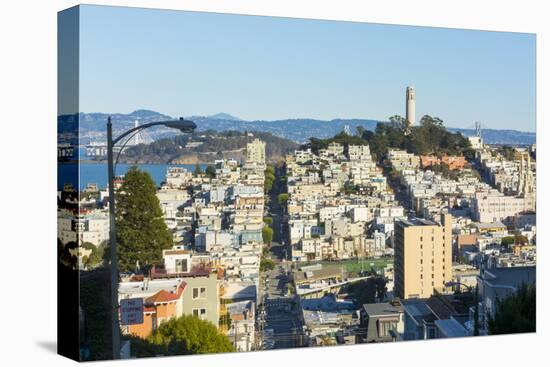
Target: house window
x=200, y=313
x=199, y=293
x=384, y=327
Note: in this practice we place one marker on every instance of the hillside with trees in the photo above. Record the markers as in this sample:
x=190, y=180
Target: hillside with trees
x=206, y=147
x=428, y=137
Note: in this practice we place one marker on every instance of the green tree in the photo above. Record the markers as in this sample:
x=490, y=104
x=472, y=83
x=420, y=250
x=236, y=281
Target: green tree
x=95, y=257
x=270, y=170
x=210, y=171
x=507, y=241
x=282, y=198
x=268, y=220
x=198, y=170
x=268, y=185
x=516, y=313
x=184, y=335
x=141, y=231
x=267, y=235
x=267, y=265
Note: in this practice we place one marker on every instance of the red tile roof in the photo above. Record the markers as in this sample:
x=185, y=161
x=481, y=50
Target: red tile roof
x=163, y=296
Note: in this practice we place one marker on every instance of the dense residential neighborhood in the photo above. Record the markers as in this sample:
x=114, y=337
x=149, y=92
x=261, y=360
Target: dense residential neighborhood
x=328, y=246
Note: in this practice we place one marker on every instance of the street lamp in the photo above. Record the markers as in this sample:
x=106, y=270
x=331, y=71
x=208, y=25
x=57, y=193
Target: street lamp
x=469, y=287
x=185, y=126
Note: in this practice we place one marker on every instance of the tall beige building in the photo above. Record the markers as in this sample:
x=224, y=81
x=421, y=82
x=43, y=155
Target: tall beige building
x=423, y=261
x=410, y=106
x=255, y=152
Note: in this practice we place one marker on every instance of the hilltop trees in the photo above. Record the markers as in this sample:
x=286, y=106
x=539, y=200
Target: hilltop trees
x=428, y=137
x=170, y=149
x=141, y=231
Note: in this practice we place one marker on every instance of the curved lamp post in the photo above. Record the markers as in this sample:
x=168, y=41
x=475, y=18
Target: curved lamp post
x=185, y=126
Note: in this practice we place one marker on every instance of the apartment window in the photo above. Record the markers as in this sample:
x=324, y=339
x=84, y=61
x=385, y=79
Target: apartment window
x=384, y=327
x=200, y=313
x=199, y=293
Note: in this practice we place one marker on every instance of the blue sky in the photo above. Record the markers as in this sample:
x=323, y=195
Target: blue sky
x=267, y=68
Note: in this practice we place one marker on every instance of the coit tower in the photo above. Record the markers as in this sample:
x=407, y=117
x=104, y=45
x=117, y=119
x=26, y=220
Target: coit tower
x=411, y=106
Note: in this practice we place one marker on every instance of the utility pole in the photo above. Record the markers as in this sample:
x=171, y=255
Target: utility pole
x=115, y=328
x=476, y=312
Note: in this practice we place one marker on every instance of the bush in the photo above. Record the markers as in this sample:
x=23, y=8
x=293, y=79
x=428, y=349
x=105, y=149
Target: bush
x=267, y=265
x=183, y=335
x=267, y=235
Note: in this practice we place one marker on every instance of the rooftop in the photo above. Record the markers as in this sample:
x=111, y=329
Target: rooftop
x=314, y=274
x=381, y=309
x=451, y=328
x=417, y=222
x=512, y=276
x=149, y=287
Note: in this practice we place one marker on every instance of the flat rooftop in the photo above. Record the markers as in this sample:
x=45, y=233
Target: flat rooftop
x=148, y=287
x=316, y=274
x=381, y=309
x=417, y=222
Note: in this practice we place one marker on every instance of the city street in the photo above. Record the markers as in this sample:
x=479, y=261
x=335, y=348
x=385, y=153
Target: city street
x=279, y=315
x=281, y=311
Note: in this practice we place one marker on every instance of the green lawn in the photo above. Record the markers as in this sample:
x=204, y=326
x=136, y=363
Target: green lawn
x=355, y=266
x=365, y=264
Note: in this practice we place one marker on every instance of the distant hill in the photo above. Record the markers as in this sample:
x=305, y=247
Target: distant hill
x=206, y=147
x=298, y=130
x=224, y=116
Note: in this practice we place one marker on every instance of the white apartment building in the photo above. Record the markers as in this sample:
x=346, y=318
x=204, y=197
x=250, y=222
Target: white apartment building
x=492, y=206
